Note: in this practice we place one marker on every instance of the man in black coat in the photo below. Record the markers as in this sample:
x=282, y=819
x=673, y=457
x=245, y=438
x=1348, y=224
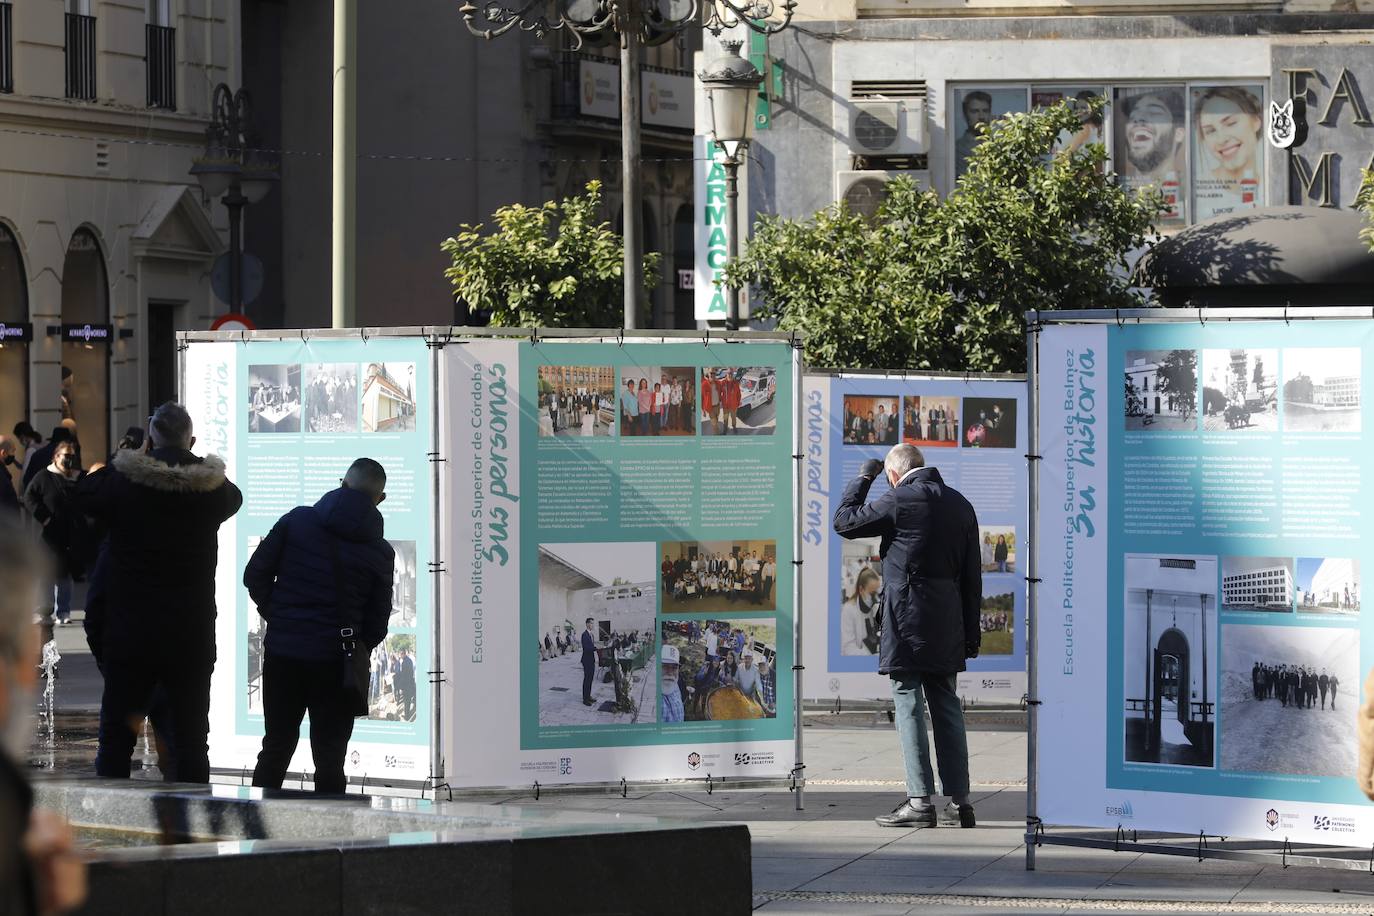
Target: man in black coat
x=932, y=597
x=588, y=662
x=162, y=507
x=9, y=499
x=321, y=570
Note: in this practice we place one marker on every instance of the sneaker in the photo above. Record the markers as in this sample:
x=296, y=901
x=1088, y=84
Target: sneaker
x=908, y=814
x=961, y=814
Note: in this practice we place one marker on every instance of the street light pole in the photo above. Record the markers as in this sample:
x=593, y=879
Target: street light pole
x=734, y=293
x=631, y=187
x=234, y=202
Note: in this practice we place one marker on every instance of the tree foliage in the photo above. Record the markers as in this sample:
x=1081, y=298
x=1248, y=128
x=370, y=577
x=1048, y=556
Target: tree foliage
x=944, y=284
x=558, y=265
x=1364, y=201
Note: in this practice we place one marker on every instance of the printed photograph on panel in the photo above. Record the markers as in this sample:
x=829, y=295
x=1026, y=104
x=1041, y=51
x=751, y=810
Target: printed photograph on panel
x=658, y=401
x=576, y=401
x=1170, y=659
x=861, y=585
x=1288, y=698
x=997, y=618
x=1149, y=144
x=1090, y=129
x=989, y=422
x=403, y=582
x=1321, y=389
x=1257, y=584
x=713, y=670
x=870, y=419
x=715, y=576
x=973, y=110
x=595, y=645
x=1161, y=389
x=738, y=401
x=331, y=398
x=1228, y=157
x=391, y=681
x=930, y=421
x=1328, y=585
x=1240, y=390
x=998, y=545
x=274, y=399
x=389, y=398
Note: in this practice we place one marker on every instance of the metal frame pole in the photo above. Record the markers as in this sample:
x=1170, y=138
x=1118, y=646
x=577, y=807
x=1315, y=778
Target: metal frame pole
x=344, y=237
x=437, y=654
x=798, y=668
x=1033, y=506
x=632, y=192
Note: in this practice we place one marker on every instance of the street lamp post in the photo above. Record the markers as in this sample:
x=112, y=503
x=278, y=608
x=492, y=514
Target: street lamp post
x=637, y=23
x=731, y=83
x=231, y=170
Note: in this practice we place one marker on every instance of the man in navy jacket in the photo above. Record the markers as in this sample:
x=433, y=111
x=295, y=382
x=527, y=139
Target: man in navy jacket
x=588, y=662
x=932, y=597
x=320, y=569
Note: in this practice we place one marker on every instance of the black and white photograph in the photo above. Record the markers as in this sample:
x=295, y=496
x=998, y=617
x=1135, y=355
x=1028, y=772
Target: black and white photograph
x=861, y=587
x=1328, y=585
x=403, y=582
x=1161, y=389
x=930, y=421
x=392, y=680
x=657, y=401
x=331, y=398
x=1257, y=584
x=1169, y=646
x=870, y=419
x=716, y=576
x=1240, y=390
x=718, y=670
x=389, y=398
x=1321, y=389
x=1289, y=695
x=596, y=644
x=738, y=400
x=997, y=545
x=576, y=401
x=274, y=398
x=989, y=423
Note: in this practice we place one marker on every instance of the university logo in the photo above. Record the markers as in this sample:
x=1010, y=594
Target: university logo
x=1321, y=822
x=1271, y=818
x=355, y=758
x=1123, y=810
x=564, y=766
x=588, y=86
x=693, y=761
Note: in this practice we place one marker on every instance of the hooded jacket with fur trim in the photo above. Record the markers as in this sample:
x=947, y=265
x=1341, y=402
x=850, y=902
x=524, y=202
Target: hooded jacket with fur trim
x=162, y=510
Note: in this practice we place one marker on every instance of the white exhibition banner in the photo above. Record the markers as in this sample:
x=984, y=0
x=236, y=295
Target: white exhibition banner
x=974, y=432
x=611, y=531
x=1199, y=636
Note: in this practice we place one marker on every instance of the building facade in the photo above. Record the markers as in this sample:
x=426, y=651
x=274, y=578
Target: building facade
x=1268, y=588
x=106, y=246
x=1142, y=379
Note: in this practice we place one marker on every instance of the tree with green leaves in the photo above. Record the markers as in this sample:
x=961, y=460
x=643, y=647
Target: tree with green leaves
x=944, y=284
x=1364, y=201
x=558, y=265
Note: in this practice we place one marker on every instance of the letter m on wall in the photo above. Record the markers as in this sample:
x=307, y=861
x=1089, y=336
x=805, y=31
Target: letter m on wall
x=1307, y=182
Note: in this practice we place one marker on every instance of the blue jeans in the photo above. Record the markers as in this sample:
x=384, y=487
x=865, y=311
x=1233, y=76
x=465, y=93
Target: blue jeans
x=947, y=719
x=62, y=598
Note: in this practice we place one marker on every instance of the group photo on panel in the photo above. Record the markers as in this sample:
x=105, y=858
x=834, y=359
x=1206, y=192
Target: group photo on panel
x=714, y=670
x=577, y=401
x=658, y=401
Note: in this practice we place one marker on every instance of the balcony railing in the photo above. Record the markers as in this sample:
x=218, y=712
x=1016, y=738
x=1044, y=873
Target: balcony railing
x=162, y=66
x=6, y=47
x=80, y=56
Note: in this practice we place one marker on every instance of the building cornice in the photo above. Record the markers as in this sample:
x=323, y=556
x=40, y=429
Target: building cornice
x=96, y=120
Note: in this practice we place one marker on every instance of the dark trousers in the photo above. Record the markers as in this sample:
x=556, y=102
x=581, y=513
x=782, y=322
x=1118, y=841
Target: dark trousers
x=588, y=671
x=290, y=688
x=130, y=687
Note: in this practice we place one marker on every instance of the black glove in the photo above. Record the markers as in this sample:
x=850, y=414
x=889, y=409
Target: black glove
x=970, y=650
x=871, y=469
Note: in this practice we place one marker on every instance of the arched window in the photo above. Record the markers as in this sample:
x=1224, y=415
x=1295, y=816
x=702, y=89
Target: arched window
x=84, y=395
x=14, y=355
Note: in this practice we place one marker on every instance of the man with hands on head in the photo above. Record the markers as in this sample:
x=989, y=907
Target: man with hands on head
x=932, y=596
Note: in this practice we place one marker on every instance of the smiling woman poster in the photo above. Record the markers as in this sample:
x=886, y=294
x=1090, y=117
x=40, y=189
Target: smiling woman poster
x=1228, y=157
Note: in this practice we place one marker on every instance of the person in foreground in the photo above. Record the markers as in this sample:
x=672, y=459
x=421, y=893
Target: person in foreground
x=40, y=870
x=322, y=579
x=932, y=596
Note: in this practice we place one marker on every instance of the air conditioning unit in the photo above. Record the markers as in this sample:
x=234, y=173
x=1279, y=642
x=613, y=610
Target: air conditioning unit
x=865, y=191
x=888, y=127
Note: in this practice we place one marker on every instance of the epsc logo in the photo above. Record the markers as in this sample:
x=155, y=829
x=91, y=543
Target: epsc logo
x=564, y=766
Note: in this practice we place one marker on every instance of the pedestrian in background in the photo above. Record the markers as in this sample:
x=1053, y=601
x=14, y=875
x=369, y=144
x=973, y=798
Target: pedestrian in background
x=50, y=499
x=9, y=498
x=322, y=580
x=41, y=456
x=162, y=507
x=931, y=605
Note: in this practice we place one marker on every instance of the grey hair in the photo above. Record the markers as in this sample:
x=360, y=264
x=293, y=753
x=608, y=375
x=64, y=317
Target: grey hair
x=366, y=476
x=23, y=565
x=8, y=444
x=903, y=458
x=171, y=426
